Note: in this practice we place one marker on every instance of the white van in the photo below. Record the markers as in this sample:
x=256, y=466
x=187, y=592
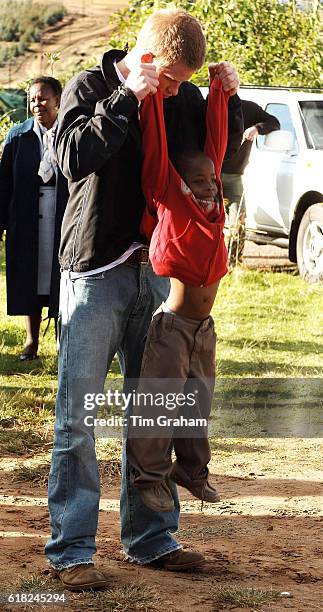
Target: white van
x=283, y=182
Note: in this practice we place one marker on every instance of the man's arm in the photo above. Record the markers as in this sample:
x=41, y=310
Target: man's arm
x=90, y=129
x=235, y=126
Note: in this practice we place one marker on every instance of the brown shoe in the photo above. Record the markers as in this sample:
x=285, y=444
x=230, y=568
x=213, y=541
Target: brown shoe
x=158, y=497
x=81, y=577
x=200, y=488
x=179, y=560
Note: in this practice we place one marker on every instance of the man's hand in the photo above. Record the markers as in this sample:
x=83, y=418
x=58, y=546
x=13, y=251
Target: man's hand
x=143, y=80
x=227, y=75
x=250, y=133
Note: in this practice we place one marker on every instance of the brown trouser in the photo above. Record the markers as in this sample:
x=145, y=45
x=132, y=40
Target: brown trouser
x=179, y=354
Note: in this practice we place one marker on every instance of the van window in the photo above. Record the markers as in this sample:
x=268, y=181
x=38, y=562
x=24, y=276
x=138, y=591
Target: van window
x=282, y=112
x=312, y=120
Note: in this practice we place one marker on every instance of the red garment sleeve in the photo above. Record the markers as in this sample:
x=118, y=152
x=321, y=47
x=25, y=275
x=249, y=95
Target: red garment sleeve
x=155, y=169
x=216, y=125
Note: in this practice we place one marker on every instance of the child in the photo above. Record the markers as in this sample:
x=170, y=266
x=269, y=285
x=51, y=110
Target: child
x=184, y=221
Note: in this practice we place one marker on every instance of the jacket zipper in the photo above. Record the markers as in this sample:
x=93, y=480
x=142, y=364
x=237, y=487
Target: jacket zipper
x=87, y=188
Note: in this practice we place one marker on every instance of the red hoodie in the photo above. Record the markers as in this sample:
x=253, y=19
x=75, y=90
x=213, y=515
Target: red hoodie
x=185, y=242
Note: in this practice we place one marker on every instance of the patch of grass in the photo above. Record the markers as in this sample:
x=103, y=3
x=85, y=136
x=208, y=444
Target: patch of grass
x=26, y=420
x=128, y=598
x=243, y=597
x=264, y=322
x=33, y=583
x=109, y=469
x=265, y=329
x=226, y=448
x=109, y=459
x=20, y=442
x=205, y=532
x=27, y=407
x=37, y=475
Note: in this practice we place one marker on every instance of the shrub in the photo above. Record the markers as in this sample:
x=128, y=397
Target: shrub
x=23, y=21
x=269, y=42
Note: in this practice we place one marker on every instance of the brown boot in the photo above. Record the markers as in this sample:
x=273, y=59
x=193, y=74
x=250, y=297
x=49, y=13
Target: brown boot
x=179, y=560
x=80, y=577
x=157, y=497
x=200, y=488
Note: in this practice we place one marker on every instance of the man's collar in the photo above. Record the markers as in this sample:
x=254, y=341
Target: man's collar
x=108, y=68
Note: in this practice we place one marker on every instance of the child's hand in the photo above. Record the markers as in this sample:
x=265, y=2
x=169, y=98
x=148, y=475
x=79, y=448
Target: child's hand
x=227, y=75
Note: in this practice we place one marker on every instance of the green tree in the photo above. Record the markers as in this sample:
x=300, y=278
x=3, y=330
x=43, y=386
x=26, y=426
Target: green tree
x=271, y=43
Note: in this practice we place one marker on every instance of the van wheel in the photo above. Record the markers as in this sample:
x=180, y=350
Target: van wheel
x=309, y=245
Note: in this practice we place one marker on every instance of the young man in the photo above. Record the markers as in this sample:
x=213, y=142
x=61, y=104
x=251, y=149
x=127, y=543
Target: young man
x=108, y=288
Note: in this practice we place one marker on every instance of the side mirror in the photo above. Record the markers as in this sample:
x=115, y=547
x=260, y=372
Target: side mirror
x=281, y=140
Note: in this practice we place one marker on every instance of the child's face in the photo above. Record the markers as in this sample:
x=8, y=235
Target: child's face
x=200, y=178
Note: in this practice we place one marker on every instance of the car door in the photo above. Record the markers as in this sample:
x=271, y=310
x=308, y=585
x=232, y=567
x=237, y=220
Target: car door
x=268, y=179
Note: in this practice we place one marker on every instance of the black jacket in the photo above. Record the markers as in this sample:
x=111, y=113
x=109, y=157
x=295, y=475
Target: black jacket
x=98, y=144
x=19, y=215
x=265, y=123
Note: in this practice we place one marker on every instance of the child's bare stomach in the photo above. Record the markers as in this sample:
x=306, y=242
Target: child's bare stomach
x=193, y=302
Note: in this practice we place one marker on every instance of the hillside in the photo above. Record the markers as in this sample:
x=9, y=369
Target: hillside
x=84, y=32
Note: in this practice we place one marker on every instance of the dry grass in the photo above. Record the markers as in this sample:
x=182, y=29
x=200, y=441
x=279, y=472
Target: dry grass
x=36, y=475
x=243, y=597
x=19, y=442
x=205, y=532
x=109, y=459
x=33, y=583
x=128, y=598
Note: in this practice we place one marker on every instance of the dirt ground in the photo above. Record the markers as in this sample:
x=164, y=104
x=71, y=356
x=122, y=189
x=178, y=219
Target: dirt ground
x=266, y=256
x=265, y=533
x=80, y=35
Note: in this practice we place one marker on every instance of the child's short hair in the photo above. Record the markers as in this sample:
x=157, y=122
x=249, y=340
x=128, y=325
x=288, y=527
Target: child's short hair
x=182, y=160
x=173, y=35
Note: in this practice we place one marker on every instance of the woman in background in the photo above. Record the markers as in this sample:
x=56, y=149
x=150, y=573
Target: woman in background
x=33, y=196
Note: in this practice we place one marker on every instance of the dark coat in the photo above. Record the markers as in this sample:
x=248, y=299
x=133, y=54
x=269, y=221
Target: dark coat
x=265, y=123
x=19, y=196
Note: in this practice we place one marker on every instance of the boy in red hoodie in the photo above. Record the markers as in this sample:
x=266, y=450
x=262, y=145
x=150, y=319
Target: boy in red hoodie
x=183, y=221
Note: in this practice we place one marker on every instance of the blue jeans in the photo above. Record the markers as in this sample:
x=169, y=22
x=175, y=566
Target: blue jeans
x=100, y=315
